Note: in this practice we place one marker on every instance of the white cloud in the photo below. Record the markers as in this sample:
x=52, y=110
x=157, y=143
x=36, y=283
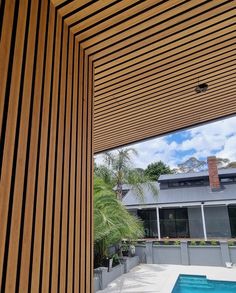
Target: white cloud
x=215, y=138
x=156, y=150
x=226, y=127
x=229, y=149
x=218, y=138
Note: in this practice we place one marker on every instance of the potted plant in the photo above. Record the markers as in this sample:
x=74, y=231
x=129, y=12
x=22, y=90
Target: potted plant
x=132, y=249
x=125, y=248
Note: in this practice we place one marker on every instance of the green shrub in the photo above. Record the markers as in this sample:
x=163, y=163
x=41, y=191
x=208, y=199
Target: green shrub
x=166, y=242
x=116, y=260
x=213, y=242
x=231, y=243
x=177, y=242
x=202, y=242
x=124, y=246
x=193, y=243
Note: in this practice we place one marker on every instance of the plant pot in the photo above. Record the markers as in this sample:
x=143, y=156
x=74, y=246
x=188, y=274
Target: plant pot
x=125, y=253
x=132, y=250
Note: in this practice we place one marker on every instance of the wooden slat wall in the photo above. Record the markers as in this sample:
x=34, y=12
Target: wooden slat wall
x=133, y=65
x=46, y=151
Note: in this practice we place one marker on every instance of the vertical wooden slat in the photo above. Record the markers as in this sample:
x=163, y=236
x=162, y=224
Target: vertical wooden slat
x=89, y=197
x=77, y=172
x=72, y=179
x=36, y=92
x=51, y=165
x=63, y=240
x=5, y=45
x=84, y=179
x=37, y=245
x=58, y=191
x=88, y=171
x=78, y=182
x=91, y=93
x=82, y=153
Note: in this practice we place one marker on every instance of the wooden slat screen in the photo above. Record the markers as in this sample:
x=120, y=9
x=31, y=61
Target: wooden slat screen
x=127, y=67
x=148, y=63
x=46, y=151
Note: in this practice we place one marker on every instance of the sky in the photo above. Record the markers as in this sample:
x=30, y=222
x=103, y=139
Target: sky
x=217, y=138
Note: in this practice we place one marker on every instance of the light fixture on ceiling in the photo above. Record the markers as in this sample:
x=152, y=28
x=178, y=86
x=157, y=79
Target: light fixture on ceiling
x=201, y=88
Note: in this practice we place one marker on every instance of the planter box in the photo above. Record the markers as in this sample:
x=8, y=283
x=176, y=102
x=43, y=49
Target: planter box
x=167, y=254
x=205, y=256
x=232, y=253
x=102, y=277
x=96, y=284
x=140, y=251
x=185, y=254
x=129, y=262
x=106, y=277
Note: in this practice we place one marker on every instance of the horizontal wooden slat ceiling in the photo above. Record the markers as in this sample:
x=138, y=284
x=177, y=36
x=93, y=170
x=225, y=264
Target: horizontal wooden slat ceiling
x=148, y=57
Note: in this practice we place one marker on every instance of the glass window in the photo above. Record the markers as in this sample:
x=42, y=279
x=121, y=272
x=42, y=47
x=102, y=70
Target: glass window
x=186, y=183
x=228, y=179
x=232, y=219
x=174, y=222
x=149, y=218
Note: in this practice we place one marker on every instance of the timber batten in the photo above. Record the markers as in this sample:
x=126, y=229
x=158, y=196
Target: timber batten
x=79, y=77
x=46, y=148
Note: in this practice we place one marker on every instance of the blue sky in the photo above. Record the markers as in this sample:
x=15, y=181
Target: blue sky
x=217, y=138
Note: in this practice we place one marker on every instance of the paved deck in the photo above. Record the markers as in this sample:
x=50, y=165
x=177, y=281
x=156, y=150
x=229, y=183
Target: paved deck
x=161, y=278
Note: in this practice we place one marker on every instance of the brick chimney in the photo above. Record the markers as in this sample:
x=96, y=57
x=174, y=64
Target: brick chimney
x=213, y=173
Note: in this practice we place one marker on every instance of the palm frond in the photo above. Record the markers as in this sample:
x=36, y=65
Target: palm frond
x=111, y=220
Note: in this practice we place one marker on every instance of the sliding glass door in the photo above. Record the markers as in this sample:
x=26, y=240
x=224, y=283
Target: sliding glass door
x=174, y=223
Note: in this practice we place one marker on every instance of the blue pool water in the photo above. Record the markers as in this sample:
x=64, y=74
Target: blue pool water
x=200, y=284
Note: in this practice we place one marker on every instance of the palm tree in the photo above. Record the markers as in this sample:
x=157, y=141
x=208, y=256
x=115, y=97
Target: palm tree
x=112, y=222
x=119, y=170
x=120, y=165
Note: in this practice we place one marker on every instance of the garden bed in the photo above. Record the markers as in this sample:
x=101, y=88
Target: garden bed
x=195, y=252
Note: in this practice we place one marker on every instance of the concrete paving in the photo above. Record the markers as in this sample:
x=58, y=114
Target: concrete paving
x=161, y=278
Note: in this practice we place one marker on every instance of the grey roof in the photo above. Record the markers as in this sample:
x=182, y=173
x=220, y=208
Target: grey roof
x=181, y=195
x=124, y=187
x=223, y=172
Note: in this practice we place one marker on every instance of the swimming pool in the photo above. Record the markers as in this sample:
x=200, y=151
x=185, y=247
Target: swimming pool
x=200, y=284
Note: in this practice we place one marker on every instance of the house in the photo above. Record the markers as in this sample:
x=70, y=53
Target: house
x=190, y=205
